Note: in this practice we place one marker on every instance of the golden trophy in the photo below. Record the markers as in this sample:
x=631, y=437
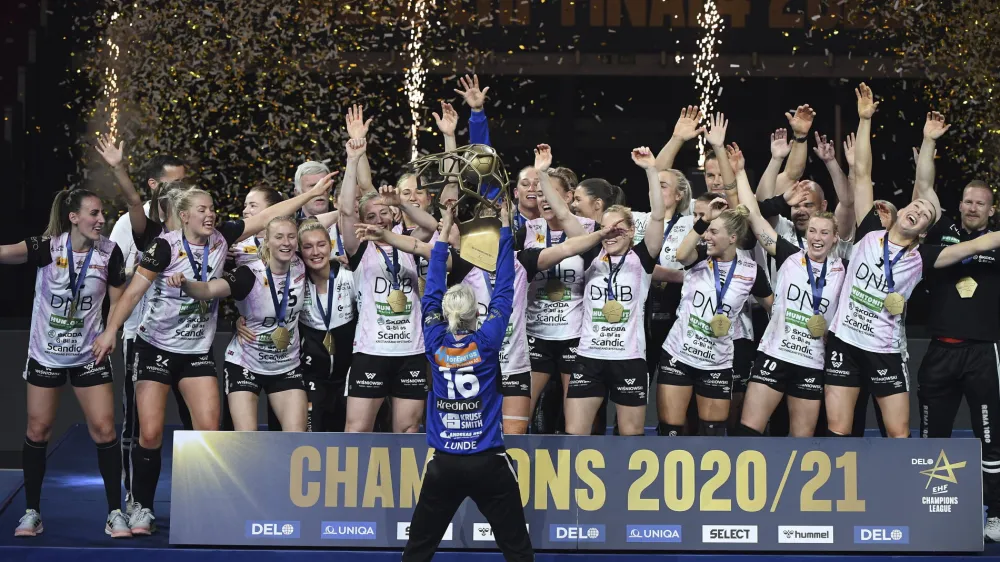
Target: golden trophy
x=476, y=175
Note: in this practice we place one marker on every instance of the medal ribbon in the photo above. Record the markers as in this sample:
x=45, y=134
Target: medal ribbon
x=666, y=233
x=392, y=266
x=977, y=235
x=887, y=265
x=489, y=282
x=76, y=281
x=612, y=274
x=720, y=289
x=328, y=313
x=816, y=284
x=201, y=273
x=548, y=244
x=280, y=309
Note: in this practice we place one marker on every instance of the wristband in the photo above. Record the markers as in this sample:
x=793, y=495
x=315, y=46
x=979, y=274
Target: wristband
x=801, y=139
x=700, y=226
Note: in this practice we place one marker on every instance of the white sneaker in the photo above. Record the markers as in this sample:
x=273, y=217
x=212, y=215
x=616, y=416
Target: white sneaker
x=30, y=524
x=117, y=525
x=141, y=520
x=992, y=530
x=129, y=504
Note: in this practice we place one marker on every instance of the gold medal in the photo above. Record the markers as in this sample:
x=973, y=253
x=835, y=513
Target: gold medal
x=894, y=303
x=328, y=343
x=281, y=338
x=554, y=289
x=397, y=301
x=613, y=311
x=720, y=325
x=966, y=287
x=421, y=285
x=203, y=306
x=816, y=325
x=72, y=308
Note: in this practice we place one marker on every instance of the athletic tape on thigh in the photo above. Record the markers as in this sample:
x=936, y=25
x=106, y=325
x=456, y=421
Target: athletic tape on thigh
x=518, y=418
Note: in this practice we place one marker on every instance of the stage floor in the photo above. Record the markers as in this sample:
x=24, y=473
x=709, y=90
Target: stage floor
x=73, y=507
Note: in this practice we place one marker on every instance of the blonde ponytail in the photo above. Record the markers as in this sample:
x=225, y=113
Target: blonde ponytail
x=460, y=308
x=737, y=221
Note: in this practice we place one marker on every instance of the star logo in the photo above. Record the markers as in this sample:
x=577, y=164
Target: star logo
x=942, y=470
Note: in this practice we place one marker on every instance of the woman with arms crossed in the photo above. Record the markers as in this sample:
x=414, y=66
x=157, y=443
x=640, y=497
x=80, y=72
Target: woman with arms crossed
x=76, y=268
x=177, y=330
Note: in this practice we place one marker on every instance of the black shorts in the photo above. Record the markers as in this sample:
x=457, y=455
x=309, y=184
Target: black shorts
x=716, y=384
x=317, y=364
x=623, y=381
x=552, y=356
x=83, y=376
x=167, y=367
x=846, y=365
x=518, y=384
x=744, y=355
x=788, y=378
x=375, y=376
x=239, y=379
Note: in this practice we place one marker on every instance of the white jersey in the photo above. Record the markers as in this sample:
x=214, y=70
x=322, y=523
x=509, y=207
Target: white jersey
x=339, y=300
x=626, y=339
x=785, y=229
x=252, y=291
x=174, y=321
x=121, y=234
x=787, y=336
x=690, y=339
x=663, y=298
x=862, y=320
x=743, y=326
x=345, y=280
x=555, y=317
x=246, y=251
x=381, y=331
x=59, y=338
x=514, y=352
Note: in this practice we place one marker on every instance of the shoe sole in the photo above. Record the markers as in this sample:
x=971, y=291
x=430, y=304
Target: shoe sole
x=142, y=532
x=34, y=533
x=118, y=535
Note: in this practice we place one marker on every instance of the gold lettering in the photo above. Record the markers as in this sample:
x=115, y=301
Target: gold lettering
x=551, y=479
x=636, y=12
x=661, y=9
x=779, y=19
x=523, y=462
x=410, y=477
x=737, y=11
x=311, y=456
x=640, y=459
x=585, y=460
x=378, y=482
x=335, y=476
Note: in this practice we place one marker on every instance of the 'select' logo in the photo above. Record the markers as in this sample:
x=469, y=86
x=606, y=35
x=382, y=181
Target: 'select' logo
x=272, y=529
x=364, y=530
x=652, y=533
x=729, y=533
x=576, y=533
x=884, y=535
x=403, y=531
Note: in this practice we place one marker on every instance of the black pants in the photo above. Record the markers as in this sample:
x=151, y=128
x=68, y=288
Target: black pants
x=130, y=418
x=970, y=369
x=489, y=479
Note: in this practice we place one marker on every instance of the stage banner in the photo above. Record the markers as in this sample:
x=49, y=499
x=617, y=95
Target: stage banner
x=588, y=493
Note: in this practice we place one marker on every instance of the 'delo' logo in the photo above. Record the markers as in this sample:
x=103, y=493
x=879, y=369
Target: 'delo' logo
x=891, y=535
x=574, y=533
x=272, y=529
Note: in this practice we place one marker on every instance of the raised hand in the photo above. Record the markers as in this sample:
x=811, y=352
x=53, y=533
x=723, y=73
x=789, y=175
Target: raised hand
x=643, y=157
x=935, y=126
x=369, y=232
x=736, y=159
x=357, y=127
x=447, y=220
x=849, y=148
x=824, y=149
x=779, y=144
x=112, y=154
x=801, y=121
x=687, y=127
x=866, y=101
x=717, y=125
x=474, y=97
x=176, y=280
x=389, y=196
x=797, y=193
x=323, y=186
x=543, y=157
x=715, y=208
x=447, y=121
x=356, y=148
